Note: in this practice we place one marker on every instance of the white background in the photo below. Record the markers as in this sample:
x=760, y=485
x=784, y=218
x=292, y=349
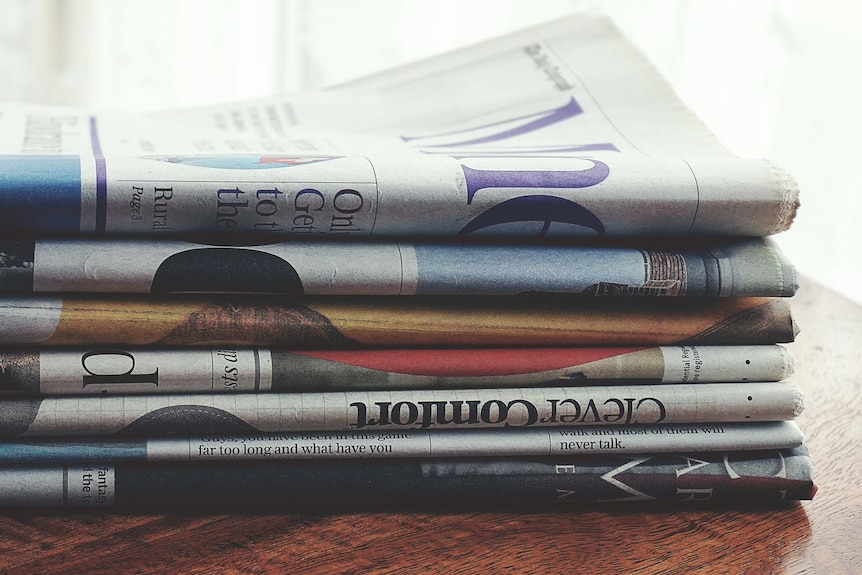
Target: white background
x=772, y=78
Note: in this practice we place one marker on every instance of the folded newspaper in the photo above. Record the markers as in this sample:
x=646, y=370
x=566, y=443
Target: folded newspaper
x=564, y=482
x=331, y=322
x=110, y=370
x=559, y=130
x=424, y=443
x=741, y=267
x=251, y=413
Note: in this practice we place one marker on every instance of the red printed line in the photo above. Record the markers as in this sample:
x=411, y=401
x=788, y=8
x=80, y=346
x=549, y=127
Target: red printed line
x=470, y=362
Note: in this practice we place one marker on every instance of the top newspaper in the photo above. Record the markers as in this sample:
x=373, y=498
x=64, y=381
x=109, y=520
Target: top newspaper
x=563, y=130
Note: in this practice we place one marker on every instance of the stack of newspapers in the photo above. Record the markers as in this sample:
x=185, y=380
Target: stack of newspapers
x=521, y=272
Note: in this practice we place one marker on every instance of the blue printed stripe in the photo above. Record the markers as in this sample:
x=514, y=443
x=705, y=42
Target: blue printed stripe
x=40, y=194
x=37, y=451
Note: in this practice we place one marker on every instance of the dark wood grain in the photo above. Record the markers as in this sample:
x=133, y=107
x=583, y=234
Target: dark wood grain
x=820, y=536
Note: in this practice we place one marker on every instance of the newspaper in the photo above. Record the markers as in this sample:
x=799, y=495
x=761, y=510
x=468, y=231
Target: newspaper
x=560, y=130
x=772, y=477
x=512, y=442
x=104, y=371
x=352, y=322
x=752, y=267
x=180, y=414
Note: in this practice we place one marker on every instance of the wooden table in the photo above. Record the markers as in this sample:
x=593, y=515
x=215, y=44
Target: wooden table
x=820, y=536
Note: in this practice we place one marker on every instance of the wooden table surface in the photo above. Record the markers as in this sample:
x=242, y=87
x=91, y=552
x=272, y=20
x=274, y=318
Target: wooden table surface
x=819, y=536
